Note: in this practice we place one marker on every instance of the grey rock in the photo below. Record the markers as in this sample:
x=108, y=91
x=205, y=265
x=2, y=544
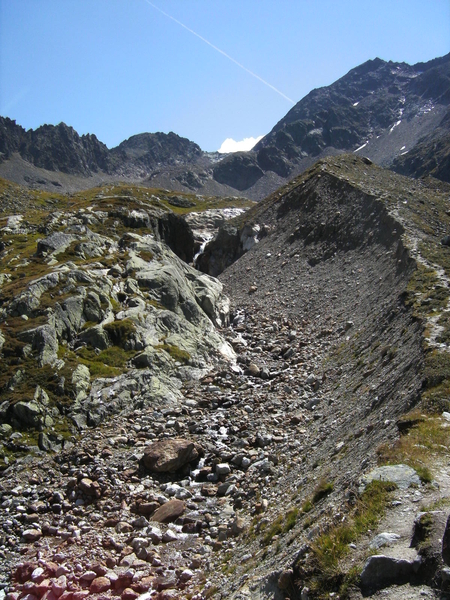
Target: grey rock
x=96, y=337
x=49, y=443
x=27, y=301
x=29, y=413
x=54, y=243
x=81, y=381
x=93, y=308
x=223, y=469
x=155, y=534
x=45, y=343
x=169, y=536
x=68, y=317
x=446, y=543
x=31, y=535
x=5, y=430
x=382, y=571
x=383, y=539
x=402, y=475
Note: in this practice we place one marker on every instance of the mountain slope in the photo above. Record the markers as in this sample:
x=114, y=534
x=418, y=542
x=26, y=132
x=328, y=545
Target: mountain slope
x=384, y=110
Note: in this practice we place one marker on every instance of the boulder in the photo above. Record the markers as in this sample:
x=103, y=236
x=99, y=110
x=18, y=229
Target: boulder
x=93, y=308
x=49, y=443
x=54, y=243
x=168, y=456
x=31, y=414
x=45, y=343
x=68, y=317
x=169, y=512
x=402, y=475
x=96, y=337
x=382, y=571
x=5, y=430
x=34, y=413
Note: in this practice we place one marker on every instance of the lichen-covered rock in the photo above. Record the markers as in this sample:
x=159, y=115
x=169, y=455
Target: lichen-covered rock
x=54, y=243
x=35, y=413
x=45, y=344
x=96, y=337
x=81, y=380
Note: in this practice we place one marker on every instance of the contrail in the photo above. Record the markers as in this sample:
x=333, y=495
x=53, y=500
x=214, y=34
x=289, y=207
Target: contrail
x=221, y=52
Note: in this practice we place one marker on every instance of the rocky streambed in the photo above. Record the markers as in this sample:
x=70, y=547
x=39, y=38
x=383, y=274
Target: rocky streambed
x=161, y=441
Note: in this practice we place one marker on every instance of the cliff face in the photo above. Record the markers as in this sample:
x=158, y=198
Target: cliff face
x=54, y=148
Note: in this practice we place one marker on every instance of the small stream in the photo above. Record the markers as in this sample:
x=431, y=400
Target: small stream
x=207, y=237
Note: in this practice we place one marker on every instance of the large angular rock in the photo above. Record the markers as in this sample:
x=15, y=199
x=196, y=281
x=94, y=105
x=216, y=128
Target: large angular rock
x=28, y=413
x=45, y=343
x=81, y=380
x=169, y=512
x=382, y=571
x=168, y=456
x=54, y=243
x=34, y=413
x=96, y=337
x=93, y=308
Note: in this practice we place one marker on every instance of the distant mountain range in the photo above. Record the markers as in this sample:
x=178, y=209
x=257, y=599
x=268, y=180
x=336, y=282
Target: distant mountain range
x=395, y=114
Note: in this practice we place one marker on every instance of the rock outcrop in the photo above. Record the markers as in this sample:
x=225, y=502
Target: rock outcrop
x=115, y=322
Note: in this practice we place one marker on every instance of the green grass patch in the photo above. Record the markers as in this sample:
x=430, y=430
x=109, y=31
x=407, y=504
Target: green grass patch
x=282, y=524
x=120, y=331
x=175, y=352
x=322, y=489
x=419, y=447
x=108, y=363
x=331, y=547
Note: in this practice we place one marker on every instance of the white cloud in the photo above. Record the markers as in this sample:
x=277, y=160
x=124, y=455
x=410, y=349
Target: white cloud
x=230, y=145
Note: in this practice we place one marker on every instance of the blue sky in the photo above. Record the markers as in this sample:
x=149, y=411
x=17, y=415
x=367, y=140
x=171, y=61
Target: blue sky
x=116, y=68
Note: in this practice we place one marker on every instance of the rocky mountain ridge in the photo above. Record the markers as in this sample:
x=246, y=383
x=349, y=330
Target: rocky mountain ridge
x=161, y=442
x=394, y=113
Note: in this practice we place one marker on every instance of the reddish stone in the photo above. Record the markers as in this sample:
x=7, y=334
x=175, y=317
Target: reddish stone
x=51, y=568
x=147, y=508
x=23, y=572
x=43, y=586
x=169, y=512
x=144, y=584
x=99, y=584
x=168, y=456
x=81, y=595
x=49, y=596
x=129, y=594
x=90, y=488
